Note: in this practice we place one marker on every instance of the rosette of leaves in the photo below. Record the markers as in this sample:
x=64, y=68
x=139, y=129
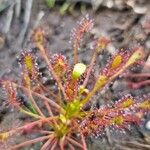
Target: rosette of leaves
x=62, y=121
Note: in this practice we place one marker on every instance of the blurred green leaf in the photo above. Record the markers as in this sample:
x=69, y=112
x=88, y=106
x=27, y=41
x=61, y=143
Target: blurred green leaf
x=64, y=8
x=50, y=3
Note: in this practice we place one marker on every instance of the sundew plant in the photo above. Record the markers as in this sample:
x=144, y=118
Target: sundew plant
x=64, y=121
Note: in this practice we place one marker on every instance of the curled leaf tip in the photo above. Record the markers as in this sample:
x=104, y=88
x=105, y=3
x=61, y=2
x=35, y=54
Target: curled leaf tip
x=137, y=55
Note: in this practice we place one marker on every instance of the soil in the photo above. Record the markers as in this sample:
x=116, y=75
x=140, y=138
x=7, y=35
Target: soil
x=126, y=29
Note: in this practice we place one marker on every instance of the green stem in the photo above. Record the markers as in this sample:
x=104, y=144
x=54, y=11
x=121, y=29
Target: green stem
x=30, y=113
